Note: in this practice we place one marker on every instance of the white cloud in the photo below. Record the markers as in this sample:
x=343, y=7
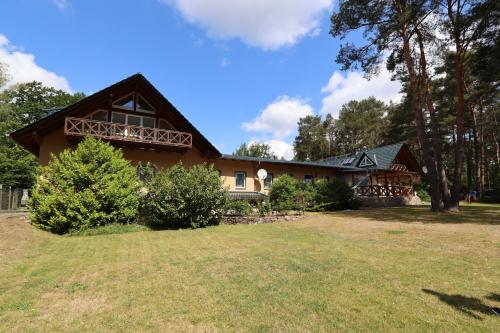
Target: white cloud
x=281, y=148
x=280, y=117
x=61, y=4
x=353, y=86
x=21, y=67
x=267, y=24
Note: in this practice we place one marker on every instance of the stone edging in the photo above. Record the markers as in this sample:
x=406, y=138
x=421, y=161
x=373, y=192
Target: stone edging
x=257, y=219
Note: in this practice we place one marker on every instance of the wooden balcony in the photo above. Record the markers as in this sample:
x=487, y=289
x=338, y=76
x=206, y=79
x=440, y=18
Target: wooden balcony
x=384, y=191
x=80, y=127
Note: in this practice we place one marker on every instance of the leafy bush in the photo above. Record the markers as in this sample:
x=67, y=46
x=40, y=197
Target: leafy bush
x=288, y=194
x=90, y=186
x=422, y=190
x=182, y=197
x=238, y=207
x=335, y=195
x=284, y=193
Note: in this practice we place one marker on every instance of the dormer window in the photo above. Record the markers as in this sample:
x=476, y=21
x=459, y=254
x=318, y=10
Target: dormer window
x=133, y=102
x=365, y=162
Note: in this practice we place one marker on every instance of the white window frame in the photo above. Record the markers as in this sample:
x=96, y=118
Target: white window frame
x=272, y=179
x=134, y=115
x=309, y=179
x=244, y=180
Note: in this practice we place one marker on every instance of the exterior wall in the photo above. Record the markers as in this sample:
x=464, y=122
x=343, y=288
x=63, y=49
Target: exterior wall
x=228, y=168
x=56, y=142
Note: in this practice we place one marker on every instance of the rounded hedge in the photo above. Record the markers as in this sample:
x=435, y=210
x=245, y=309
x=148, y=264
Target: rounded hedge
x=90, y=186
x=182, y=197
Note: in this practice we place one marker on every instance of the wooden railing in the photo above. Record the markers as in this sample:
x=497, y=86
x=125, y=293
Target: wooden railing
x=121, y=132
x=384, y=191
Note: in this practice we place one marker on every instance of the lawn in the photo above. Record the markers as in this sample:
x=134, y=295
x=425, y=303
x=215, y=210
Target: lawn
x=386, y=270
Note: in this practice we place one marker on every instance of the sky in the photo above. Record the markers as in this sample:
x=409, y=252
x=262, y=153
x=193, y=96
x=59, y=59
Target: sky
x=239, y=70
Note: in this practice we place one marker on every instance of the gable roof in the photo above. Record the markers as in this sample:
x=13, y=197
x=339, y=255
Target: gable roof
x=28, y=135
x=382, y=156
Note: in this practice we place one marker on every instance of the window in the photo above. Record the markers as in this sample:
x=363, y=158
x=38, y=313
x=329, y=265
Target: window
x=163, y=124
x=143, y=105
x=148, y=122
x=129, y=119
x=348, y=161
x=241, y=179
x=126, y=102
x=308, y=179
x=100, y=115
x=268, y=182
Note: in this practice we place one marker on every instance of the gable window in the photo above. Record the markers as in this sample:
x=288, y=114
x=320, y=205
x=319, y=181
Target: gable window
x=133, y=102
x=268, y=182
x=365, y=162
x=126, y=102
x=308, y=179
x=143, y=105
x=134, y=120
x=240, y=179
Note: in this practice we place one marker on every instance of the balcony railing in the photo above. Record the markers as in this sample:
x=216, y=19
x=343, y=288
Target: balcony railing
x=130, y=133
x=384, y=191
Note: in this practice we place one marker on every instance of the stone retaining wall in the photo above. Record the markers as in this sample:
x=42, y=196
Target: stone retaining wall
x=390, y=201
x=257, y=219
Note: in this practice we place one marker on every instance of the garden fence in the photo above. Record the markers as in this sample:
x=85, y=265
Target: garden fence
x=12, y=199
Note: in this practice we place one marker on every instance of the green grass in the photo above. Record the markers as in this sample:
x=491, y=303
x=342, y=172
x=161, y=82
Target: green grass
x=344, y=271
x=110, y=229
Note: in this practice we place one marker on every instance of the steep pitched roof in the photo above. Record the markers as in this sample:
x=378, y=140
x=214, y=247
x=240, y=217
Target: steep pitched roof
x=27, y=136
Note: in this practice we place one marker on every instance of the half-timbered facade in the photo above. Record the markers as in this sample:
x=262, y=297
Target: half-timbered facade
x=134, y=116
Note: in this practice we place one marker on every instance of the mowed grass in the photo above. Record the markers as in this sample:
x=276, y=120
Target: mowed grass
x=387, y=270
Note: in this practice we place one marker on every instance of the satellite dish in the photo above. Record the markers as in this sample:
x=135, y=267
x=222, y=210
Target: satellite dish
x=262, y=174
x=424, y=169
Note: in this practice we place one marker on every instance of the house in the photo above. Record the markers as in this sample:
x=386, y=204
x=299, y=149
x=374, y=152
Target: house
x=133, y=115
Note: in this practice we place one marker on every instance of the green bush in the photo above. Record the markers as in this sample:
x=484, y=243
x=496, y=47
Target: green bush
x=335, y=195
x=422, y=190
x=90, y=186
x=182, y=197
x=284, y=192
x=238, y=207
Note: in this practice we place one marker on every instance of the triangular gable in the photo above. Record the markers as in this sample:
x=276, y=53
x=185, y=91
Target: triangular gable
x=147, y=95
x=365, y=162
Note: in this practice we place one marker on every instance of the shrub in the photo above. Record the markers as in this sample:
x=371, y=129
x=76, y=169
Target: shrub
x=238, y=207
x=334, y=195
x=182, y=197
x=284, y=193
x=422, y=190
x=90, y=186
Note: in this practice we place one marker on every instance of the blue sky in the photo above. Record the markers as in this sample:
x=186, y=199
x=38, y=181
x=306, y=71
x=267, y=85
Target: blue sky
x=260, y=65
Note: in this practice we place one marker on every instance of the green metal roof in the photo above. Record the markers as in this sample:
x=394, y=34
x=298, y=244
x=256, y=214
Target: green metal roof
x=382, y=157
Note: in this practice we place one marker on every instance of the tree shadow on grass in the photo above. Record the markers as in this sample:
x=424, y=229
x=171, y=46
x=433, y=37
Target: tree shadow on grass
x=471, y=306
x=486, y=214
x=493, y=297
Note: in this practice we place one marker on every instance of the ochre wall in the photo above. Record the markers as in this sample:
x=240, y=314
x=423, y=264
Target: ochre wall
x=56, y=142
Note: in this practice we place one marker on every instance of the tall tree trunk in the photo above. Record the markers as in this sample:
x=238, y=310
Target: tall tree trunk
x=419, y=118
x=496, y=138
x=459, y=107
x=475, y=141
x=482, y=155
x=436, y=139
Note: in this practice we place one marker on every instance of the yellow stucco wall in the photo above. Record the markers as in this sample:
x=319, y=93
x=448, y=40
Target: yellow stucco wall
x=57, y=141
